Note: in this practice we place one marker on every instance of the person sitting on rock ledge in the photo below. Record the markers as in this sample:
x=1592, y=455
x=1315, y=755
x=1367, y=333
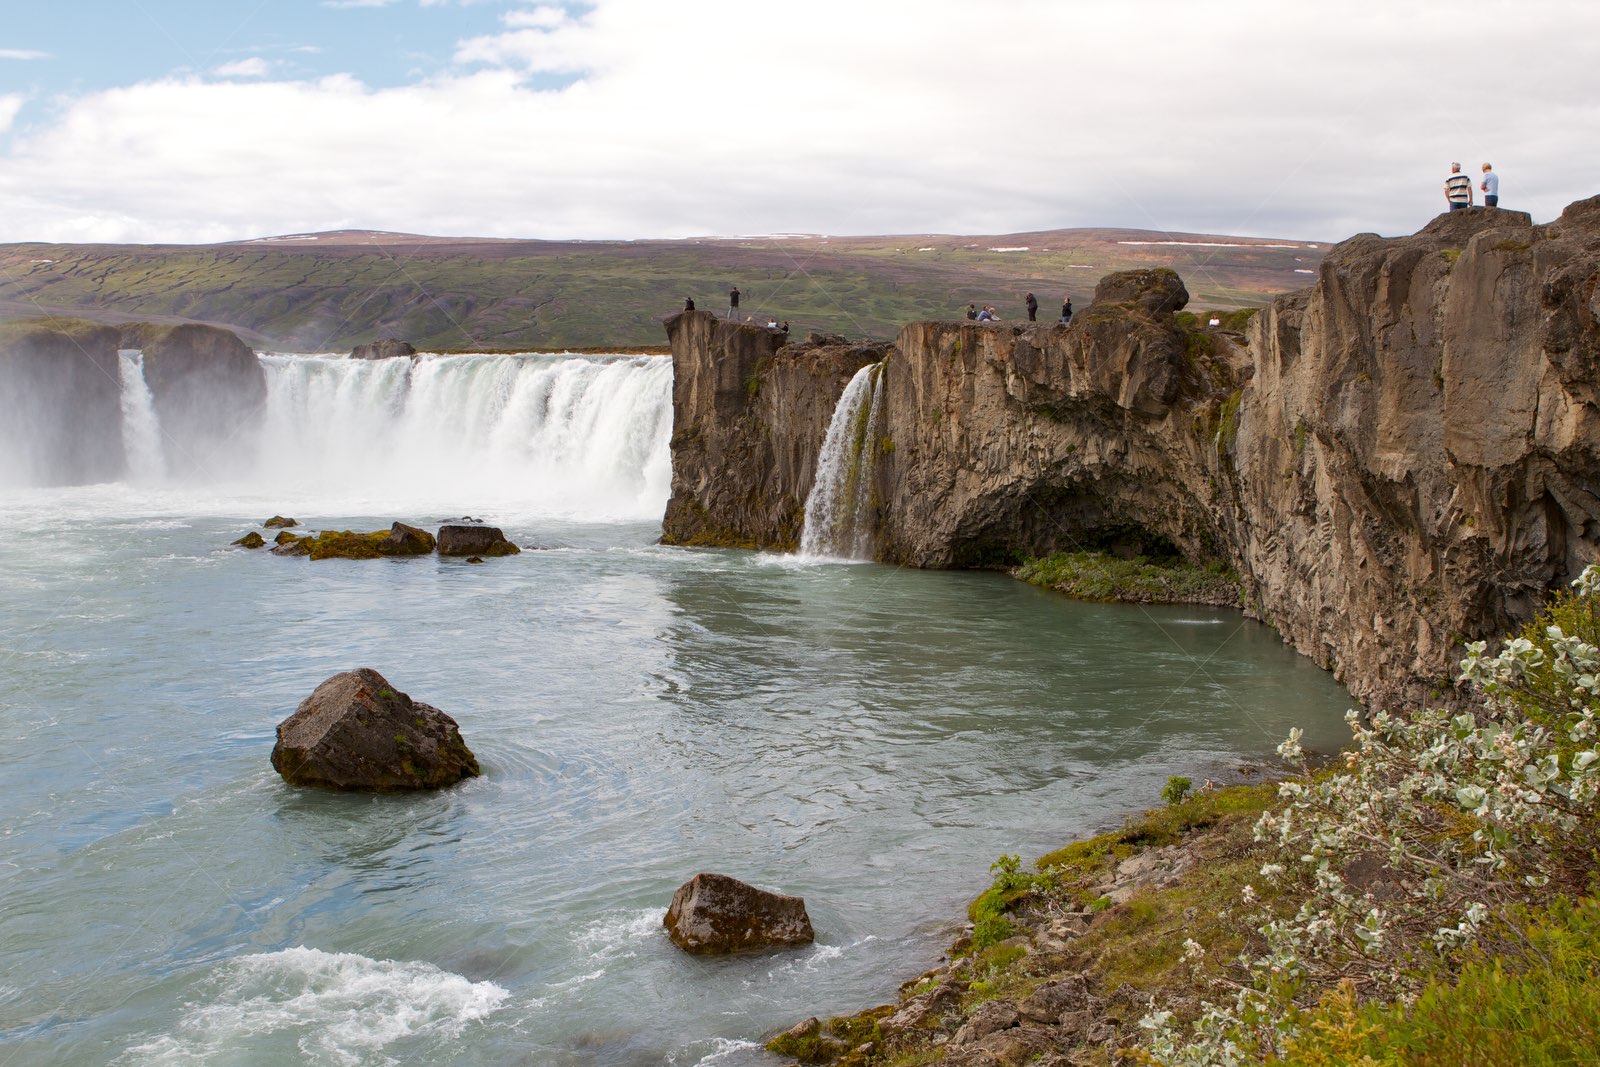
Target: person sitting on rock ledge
x=972, y=311
x=688, y=303
x=988, y=315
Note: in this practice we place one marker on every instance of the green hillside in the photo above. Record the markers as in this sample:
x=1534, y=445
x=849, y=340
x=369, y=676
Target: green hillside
x=329, y=292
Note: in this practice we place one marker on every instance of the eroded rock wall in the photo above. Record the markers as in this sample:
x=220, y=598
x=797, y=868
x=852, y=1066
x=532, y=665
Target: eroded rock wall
x=60, y=403
x=1406, y=456
x=1417, y=457
x=750, y=410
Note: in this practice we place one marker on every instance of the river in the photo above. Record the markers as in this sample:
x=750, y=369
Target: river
x=868, y=737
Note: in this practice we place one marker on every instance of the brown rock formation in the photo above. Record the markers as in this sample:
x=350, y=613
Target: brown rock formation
x=712, y=914
x=357, y=732
x=1405, y=456
x=749, y=413
x=388, y=348
x=60, y=403
x=473, y=540
x=207, y=387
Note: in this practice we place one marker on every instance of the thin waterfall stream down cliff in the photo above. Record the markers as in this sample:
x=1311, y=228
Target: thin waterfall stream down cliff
x=838, y=519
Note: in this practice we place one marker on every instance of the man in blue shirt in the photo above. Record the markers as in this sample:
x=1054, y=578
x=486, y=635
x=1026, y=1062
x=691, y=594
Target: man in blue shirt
x=1490, y=187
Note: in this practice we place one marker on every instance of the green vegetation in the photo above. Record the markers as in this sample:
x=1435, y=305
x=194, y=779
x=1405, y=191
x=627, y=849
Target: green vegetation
x=492, y=296
x=1176, y=789
x=1101, y=577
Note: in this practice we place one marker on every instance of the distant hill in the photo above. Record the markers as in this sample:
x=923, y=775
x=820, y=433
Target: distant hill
x=331, y=291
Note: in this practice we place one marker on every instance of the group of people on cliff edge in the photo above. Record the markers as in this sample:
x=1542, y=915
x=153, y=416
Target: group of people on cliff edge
x=1458, y=188
x=988, y=314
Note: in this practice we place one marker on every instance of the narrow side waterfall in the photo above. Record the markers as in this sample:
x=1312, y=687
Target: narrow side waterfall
x=141, y=429
x=838, y=520
x=581, y=437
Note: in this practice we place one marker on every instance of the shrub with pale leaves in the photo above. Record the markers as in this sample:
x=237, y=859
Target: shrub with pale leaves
x=1438, y=826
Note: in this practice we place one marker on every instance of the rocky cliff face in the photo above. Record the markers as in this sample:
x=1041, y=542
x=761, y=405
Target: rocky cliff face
x=60, y=403
x=208, y=389
x=749, y=414
x=1403, y=457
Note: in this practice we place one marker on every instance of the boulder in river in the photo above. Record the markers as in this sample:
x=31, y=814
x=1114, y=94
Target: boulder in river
x=713, y=914
x=357, y=732
x=280, y=522
x=462, y=540
x=398, y=540
x=251, y=540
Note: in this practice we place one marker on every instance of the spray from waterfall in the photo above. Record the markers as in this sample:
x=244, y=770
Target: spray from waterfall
x=141, y=429
x=838, y=521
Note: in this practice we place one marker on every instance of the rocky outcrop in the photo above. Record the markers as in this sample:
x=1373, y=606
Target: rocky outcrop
x=208, y=390
x=388, y=348
x=749, y=414
x=1416, y=462
x=1402, y=458
x=357, y=732
x=712, y=914
x=460, y=539
x=60, y=403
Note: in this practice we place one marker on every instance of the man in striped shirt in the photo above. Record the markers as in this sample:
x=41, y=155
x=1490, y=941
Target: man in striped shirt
x=1458, y=188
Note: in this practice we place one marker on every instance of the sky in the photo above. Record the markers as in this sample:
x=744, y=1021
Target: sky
x=191, y=121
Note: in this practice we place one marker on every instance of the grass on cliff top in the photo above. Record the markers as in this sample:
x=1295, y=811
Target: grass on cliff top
x=1098, y=576
x=77, y=329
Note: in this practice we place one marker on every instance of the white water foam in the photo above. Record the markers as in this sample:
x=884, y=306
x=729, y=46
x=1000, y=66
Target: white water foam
x=326, y=1007
x=570, y=436
x=141, y=429
x=837, y=523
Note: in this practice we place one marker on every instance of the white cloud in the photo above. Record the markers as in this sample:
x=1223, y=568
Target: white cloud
x=23, y=53
x=723, y=116
x=254, y=67
x=10, y=104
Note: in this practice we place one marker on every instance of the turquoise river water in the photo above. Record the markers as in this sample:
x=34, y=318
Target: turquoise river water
x=868, y=737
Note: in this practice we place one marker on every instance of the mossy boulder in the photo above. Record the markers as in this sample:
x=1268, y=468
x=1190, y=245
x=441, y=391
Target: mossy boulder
x=398, y=540
x=285, y=537
x=713, y=914
x=357, y=732
x=474, y=540
x=251, y=540
x=290, y=545
x=280, y=522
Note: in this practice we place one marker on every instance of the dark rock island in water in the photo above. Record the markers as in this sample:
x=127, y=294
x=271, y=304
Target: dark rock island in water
x=357, y=732
x=712, y=914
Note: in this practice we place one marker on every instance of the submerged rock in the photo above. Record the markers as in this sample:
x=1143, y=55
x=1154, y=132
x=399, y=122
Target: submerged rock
x=459, y=540
x=355, y=731
x=251, y=540
x=713, y=914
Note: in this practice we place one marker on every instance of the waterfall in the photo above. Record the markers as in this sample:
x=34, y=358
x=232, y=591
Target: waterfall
x=141, y=430
x=838, y=519
x=579, y=436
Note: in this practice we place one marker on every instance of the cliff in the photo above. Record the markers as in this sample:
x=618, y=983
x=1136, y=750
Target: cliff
x=1400, y=458
x=749, y=413
x=60, y=406
x=61, y=390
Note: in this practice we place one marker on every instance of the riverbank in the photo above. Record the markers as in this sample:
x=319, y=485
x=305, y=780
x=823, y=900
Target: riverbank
x=1429, y=899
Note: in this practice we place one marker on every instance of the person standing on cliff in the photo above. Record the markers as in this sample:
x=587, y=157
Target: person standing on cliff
x=1033, y=308
x=1490, y=186
x=1066, y=309
x=688, y=303
x=733, y=303
x=1457, y=189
